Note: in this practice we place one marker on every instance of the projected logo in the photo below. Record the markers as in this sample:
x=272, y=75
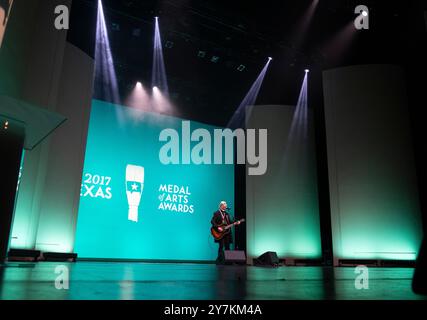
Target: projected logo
x=134, y=187
x=96, y=186
x=175, y=198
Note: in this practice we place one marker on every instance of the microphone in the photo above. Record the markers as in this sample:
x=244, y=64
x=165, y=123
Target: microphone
x=134, y=186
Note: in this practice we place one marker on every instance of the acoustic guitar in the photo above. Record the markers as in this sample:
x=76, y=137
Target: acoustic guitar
x=226, y=228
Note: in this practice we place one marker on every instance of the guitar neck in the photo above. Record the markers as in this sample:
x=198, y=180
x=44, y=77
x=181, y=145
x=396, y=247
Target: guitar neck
x=232, y=224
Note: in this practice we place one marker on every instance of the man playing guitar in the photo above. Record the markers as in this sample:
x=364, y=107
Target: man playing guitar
x=220, y=219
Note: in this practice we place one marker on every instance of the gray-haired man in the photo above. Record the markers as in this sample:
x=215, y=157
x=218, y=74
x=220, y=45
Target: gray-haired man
x=222, y=218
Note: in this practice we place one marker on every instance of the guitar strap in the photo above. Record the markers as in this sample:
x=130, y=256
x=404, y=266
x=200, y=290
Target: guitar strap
x=224, y=217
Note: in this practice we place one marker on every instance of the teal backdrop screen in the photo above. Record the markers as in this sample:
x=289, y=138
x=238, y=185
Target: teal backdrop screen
x=134, y=207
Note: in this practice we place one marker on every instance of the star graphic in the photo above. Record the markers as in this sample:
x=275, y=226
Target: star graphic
x=134, y=187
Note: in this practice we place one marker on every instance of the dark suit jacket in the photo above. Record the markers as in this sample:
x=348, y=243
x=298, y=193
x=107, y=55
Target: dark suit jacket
x=217, y=221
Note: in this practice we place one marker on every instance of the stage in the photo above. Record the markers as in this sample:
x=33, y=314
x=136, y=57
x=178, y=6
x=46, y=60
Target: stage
x=184, y=281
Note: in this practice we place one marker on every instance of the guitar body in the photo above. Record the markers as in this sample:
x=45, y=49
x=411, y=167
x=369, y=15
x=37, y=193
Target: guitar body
x=218, y=235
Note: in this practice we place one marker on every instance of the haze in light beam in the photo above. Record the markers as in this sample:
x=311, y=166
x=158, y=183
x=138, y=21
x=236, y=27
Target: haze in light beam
x=161, y=102
x=297, y=141
x=139, y=98
x=159, y=78
x=238, y=118
x=300, y=31
x=106, y=86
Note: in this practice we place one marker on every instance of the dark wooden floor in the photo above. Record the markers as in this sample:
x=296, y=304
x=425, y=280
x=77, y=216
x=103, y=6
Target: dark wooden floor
x=111, y=281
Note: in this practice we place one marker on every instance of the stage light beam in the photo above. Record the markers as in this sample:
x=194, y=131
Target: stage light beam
x=296, y=144
x=238, y=118
x=106, y=85
x=159, y=78
x=300, y=30
x=105, y=75
x=161, y=102
x=139, y=99
x=340, y=43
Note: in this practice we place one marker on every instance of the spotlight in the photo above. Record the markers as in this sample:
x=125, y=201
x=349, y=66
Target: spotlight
x=156, y=17
x=23, y=255
x=307, y=71
x=138, y=97
x=201, y=54
x=364, y=13
x=270, y=58
x=214, y=59
x=155, y=88
x=241, y=68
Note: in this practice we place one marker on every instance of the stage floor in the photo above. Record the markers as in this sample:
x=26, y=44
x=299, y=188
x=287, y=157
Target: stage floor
x=175, y=281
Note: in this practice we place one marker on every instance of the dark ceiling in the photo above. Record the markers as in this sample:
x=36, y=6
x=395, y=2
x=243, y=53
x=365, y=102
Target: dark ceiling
x=243, y=34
